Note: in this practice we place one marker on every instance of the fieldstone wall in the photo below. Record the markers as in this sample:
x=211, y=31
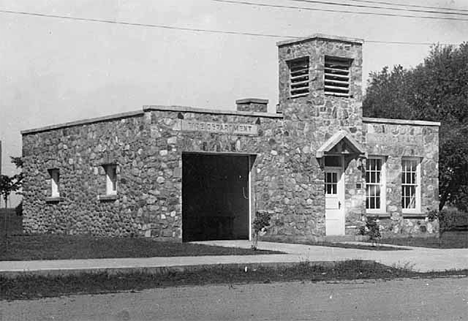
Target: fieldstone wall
x=147, y=149
x=397, y=139
x=79, y=153
x=309, y=121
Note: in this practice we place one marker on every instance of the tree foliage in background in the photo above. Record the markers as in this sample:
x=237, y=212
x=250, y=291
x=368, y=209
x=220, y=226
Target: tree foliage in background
x=10, y=184
x=435, y=90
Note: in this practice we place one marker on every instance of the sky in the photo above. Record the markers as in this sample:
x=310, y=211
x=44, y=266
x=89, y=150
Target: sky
x=55, y=70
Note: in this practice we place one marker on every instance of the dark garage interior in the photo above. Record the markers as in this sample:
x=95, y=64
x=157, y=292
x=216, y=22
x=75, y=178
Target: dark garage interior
x=215, y=197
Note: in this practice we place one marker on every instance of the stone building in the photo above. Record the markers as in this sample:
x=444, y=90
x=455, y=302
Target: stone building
x=182, y=173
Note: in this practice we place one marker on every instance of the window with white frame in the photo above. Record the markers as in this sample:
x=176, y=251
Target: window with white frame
x=375, y=185
x=55, y=182
x=111, y=179
x=410, y=185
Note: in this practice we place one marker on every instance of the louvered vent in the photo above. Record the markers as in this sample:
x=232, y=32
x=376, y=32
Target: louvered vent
x=337, y=76
x=299, y=77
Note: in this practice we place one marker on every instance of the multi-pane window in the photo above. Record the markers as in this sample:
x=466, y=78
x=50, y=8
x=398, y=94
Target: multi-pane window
x=375, y=184
x=55, y=182
x=410, y=186
x=337, y=76
x=299, y=77
x=331, y=183
x=111, y=179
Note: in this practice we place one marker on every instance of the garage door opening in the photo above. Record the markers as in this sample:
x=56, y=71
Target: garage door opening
x=215, y=197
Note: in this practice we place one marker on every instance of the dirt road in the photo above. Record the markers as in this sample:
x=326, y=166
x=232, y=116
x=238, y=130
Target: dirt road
x=409, y=299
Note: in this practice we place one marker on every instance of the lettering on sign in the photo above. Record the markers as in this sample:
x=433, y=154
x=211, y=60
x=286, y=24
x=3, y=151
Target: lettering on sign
x=394, y=140
x=225, y=128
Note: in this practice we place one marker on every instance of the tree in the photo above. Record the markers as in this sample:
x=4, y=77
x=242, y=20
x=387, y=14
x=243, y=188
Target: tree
x=386, y=94
x=435, y=90
x=10, y=184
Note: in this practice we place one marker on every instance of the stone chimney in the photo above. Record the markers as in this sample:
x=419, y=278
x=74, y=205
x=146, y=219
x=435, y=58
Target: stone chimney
x=252, y=104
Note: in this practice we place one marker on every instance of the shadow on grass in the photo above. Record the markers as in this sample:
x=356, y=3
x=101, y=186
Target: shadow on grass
x=60, y=247
x=378, y=247
x=34, y=286
x=448, y=240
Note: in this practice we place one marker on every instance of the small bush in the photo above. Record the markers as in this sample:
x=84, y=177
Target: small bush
x=260, y=223
x=372, y=229
x=452, y=219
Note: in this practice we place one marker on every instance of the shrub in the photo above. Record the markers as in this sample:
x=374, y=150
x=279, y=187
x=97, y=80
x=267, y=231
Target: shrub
x=372, y=229
x=260, y=223
x=452, y=219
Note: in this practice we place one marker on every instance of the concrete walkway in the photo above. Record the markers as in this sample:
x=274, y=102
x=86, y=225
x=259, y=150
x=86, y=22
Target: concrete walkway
x=419, y=259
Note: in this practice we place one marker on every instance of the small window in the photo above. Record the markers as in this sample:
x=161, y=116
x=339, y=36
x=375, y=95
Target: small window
x=410, y=185
x=337, y=75
x=375, y=185
x=111, y=179
x=55, y=182
x=299, y=77
x=331, y=183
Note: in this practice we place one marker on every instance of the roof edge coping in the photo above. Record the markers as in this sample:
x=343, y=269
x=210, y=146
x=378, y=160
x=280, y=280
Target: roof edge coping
x=209, y=111
x=400, y=121
x=252, y=100
x=319, y=36
x=83, y=122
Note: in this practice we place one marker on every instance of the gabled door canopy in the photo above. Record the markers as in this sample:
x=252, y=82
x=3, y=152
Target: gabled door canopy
x=349, y=145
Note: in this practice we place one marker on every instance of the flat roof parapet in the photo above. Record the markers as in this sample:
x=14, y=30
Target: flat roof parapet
x=320, y=36
x=145, y=109
x=209, y=111
x=83, y=122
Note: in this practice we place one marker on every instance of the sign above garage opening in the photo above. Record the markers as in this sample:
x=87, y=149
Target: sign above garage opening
x=224, y=128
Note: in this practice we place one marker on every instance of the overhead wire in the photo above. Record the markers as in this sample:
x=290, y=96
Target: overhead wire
x=375, y=7
x=408, y=5
x=136, y=24
x=256, y=4
x=126, y=23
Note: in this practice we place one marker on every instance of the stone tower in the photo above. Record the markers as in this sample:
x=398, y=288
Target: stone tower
x=320, y=98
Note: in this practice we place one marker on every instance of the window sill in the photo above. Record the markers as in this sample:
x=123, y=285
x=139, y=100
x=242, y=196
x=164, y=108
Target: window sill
x=105, y=198
x=378, y=214
x=53, y=199
x=413, y=214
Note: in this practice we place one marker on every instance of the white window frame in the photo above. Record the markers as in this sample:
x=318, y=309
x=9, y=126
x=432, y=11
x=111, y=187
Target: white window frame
x=382, y=183
x=417, y=208
x=111, y=179
x=54, y=182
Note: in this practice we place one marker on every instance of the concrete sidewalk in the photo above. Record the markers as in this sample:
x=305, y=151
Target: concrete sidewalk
x=419, y=259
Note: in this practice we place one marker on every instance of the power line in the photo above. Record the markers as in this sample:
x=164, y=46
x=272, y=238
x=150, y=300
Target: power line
x=408, y=5
x=136, y=24
x=125, y=23
x=335, y=11
x=376, y=7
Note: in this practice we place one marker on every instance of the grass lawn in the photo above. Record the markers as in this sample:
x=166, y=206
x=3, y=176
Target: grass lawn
x=31, y=287
x=57, y=247
x=346, y=245
x=359, y=247
x=460, y=242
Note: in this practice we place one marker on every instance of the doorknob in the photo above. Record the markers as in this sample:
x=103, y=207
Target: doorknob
x=339, y=205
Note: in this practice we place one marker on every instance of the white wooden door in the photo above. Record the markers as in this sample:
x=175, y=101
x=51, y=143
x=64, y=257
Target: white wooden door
x=334, y=202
